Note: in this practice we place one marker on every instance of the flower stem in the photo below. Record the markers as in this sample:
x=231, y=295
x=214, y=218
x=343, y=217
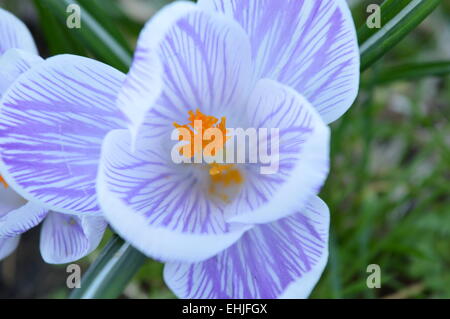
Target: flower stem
x=110, y=273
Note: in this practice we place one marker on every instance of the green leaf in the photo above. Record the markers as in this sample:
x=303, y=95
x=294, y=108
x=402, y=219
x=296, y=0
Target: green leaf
x=99, y=41
x=57, y=38
x=108, y=276
x=116, y=13
x=405, y=20
x=98, y=10
x=413, y=71
x=389, y=9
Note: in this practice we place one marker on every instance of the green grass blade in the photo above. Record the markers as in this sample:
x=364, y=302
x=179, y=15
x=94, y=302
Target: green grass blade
x=389, y=9
x=58, y=39
x=411, y=71
x=98, y=10
x=395, y=30
x=104, y=46
x=116, y=12
x=108, y=276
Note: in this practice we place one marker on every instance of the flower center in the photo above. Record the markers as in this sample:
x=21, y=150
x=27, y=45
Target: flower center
x=198, y=134
x=207, y=135
x=223, y=176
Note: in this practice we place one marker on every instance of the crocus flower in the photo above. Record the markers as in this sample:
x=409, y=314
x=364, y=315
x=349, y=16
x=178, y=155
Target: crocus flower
x=290, y=65
x=64, y=238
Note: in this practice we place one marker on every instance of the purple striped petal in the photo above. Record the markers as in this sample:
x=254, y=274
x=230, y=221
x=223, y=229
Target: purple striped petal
x=7, y=246
x=300, y=166
x=52, y=123
x=19, y=220
x=283, y=259
x=308, y=45
x=143, y=83
x=13, y=63
x=14, y=34
x=67, y=238
x=160, y=207
x=206, y=65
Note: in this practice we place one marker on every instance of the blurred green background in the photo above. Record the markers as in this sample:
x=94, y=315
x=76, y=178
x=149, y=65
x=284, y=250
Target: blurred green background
x=389, y=186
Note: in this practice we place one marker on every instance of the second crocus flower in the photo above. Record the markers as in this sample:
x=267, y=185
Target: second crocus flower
x=64, y=237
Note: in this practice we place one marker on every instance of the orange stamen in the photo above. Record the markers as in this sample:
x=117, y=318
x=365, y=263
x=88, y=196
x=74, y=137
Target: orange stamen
x=2, y=180
x=225, y=175
x=220, y=174
x=197, y=125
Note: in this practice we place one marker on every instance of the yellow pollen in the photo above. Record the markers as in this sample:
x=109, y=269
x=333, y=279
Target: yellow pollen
x=2, y=180
x=198, y=124
x=217, y=169
x=225, y=175
x=222, y=175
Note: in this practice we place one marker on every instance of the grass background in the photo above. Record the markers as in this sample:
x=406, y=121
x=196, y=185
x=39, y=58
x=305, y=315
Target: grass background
x=388, y=190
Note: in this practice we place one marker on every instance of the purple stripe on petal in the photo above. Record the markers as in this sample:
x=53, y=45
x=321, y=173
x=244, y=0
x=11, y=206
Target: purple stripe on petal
x=52, y=123
x=283, y=259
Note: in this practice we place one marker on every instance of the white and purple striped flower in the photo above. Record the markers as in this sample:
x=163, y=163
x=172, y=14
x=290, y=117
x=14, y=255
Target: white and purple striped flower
x=291, y=65
x=64, y=238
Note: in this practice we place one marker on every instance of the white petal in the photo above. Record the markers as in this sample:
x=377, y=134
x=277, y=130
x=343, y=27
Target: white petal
x=283, y=259
x=13, y=63
x=14, y=34
x=9, y=200
x=67, y=238
x=19, y=220
x=299, y=168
